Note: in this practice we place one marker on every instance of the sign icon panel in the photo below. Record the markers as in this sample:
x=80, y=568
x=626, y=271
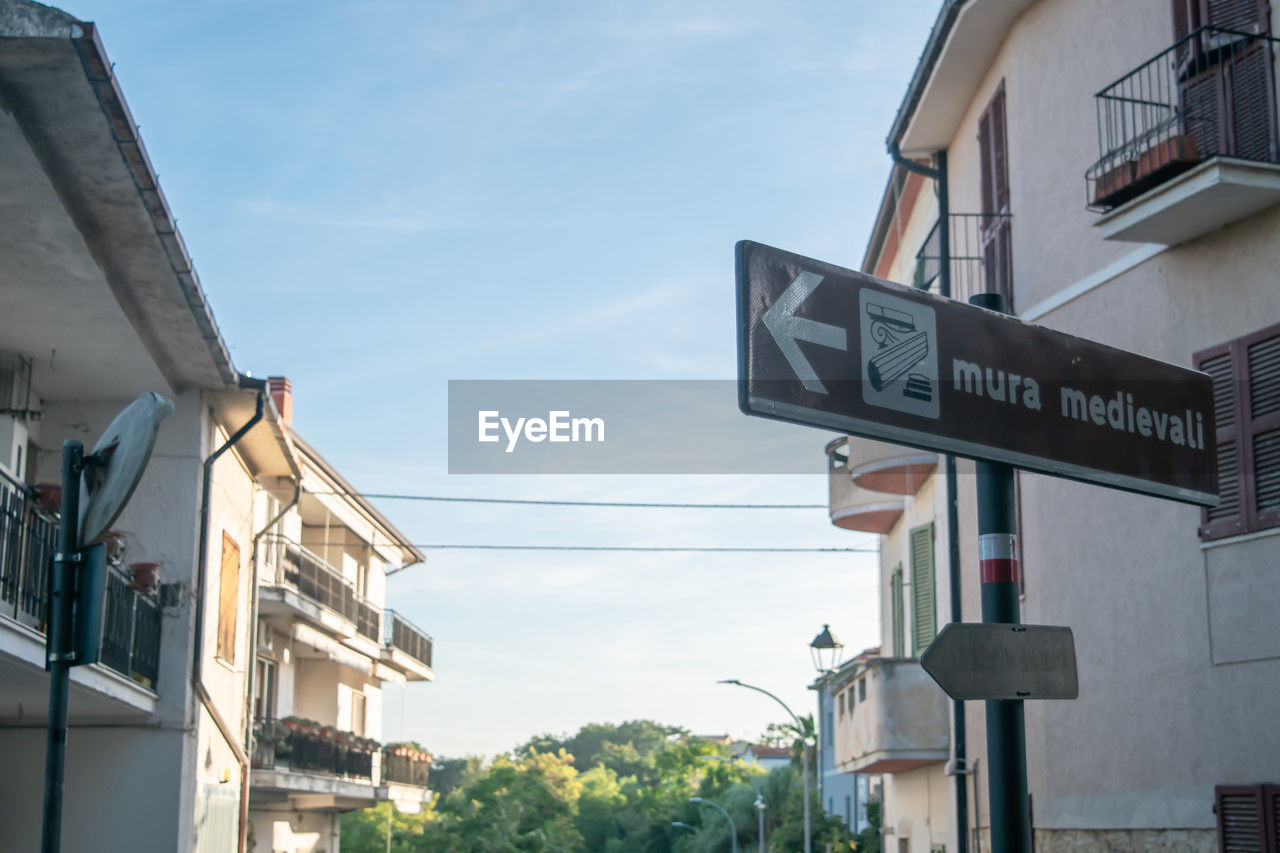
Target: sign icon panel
x=899, y=354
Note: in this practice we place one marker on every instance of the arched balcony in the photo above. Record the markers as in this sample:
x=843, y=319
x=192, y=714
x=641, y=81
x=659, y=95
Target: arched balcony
x=882, y=467
x=854, y=508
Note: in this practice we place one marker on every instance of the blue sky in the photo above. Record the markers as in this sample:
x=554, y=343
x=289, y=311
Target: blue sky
x=382, y=196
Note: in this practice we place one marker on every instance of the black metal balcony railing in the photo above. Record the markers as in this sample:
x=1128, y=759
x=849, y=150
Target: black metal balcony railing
x=307, y=748
x=131, y=631
x=28, y=535
x=405, y=766
x=316, y=579
x=1212, y=94
x=976, y=249
x=408, y=638
x=28, y=538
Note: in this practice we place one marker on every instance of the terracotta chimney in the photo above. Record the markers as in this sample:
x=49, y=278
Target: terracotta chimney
x=282, y=395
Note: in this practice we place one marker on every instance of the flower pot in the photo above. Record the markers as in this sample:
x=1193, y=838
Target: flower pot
x=49, y=496
x=143, y=576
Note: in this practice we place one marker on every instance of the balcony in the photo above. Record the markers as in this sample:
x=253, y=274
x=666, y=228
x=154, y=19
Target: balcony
x=854, y=508
x=892, y=718
x=881, y=467
x=28, y=533
x=405, y=764
x=1188, y=140
x=297, y=761
x=292, y=568
x=407, y=647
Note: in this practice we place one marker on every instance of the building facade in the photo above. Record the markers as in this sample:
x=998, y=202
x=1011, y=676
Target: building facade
x=99, y=303
x=1112, y=171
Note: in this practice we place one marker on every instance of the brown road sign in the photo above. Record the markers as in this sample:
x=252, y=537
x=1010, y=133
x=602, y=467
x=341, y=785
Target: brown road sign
x=829, y=347
x=998, y=661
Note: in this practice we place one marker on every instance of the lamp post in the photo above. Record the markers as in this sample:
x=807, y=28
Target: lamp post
x=759, y=803
x=804, y=752
x=733, y=828
x=825, y=651
x=679, y=825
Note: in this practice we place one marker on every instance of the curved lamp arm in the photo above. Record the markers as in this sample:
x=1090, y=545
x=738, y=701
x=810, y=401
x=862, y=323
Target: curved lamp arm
x=799, y=725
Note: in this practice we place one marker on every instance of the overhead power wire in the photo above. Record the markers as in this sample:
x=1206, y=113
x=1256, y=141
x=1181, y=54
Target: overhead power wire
x=537, y=502
x=690, y=548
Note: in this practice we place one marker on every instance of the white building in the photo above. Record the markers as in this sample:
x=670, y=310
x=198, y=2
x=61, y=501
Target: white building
x=98, y=303
x=1113, y=170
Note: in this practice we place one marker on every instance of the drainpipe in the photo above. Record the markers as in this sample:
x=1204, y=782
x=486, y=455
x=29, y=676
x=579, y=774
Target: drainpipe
x=955, y=767
x=253, y=613
x=202, y=565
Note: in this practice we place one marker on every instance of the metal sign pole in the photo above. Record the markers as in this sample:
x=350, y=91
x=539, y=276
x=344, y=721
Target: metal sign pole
x=999, y=568
x=58, y=645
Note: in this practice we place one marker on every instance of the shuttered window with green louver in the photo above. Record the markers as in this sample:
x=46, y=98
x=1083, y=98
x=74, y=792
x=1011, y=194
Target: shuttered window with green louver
x=898, y=634
x=924, y=608
x=1248, y=818
x=1246, y=394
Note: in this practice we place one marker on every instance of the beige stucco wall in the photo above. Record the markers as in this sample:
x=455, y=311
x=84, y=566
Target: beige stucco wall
x=1179, y=661
x=918, y=808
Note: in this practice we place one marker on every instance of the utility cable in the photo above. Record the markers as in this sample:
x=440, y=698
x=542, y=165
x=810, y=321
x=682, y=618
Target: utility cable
x=536, y=502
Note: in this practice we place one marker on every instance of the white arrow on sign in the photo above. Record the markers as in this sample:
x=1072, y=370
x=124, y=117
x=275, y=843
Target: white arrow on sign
x=787, y=329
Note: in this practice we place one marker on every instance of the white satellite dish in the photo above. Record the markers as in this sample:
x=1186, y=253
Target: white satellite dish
x=113, y=470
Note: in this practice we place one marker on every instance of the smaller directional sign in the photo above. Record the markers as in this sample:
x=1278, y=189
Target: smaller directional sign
x=1001, y=661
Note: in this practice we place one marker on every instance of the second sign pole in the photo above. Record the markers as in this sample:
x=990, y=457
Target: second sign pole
x=999, y=567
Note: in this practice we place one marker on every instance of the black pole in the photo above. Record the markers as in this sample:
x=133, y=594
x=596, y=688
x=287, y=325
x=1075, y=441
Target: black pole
x=999, y=566
x=58, y=642
x=959, y=747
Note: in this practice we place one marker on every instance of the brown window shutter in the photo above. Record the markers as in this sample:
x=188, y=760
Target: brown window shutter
x=1242, y=16
x=1246, y=818
x=1227, y=518
x=1261, y=352
x=996, y=236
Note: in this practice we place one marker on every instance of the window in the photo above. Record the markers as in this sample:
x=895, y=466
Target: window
x=924, y=616
x=862, y=689
x=896, y=613
x=358, y=708
x=1248, y=817
x=1246, y=409
x=993, y=156
x=264, y=689
x=1224, y=91
x=228, y=598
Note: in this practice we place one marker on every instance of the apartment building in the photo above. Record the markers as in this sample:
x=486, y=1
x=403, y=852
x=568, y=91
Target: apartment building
x=324, y=646
x=1112, y=169
x=99, y=302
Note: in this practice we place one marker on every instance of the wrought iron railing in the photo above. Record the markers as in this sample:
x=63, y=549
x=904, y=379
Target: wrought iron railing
x=975, y=239
x=308, y=748
x=28, y=535
x=312, y=576
x=409, y=638
x=405, y=765
x=1212, y=94
x=131, y=631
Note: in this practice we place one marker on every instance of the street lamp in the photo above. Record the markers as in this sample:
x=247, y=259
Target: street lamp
x=759, y=803
x=825, y=650
x=678, y=825
x=804, y=752
x=733, y=828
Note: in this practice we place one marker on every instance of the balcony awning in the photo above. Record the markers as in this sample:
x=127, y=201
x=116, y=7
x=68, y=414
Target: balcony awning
x=334, y=650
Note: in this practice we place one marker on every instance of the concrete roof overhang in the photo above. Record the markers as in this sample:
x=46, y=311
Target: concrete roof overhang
x=96, y=286
x=961, y=47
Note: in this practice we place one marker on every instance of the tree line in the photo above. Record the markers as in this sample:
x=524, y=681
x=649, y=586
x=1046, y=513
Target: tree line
x=609, y=788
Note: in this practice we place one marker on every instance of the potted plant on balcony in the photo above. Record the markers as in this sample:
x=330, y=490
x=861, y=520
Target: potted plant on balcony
x=143, y=577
